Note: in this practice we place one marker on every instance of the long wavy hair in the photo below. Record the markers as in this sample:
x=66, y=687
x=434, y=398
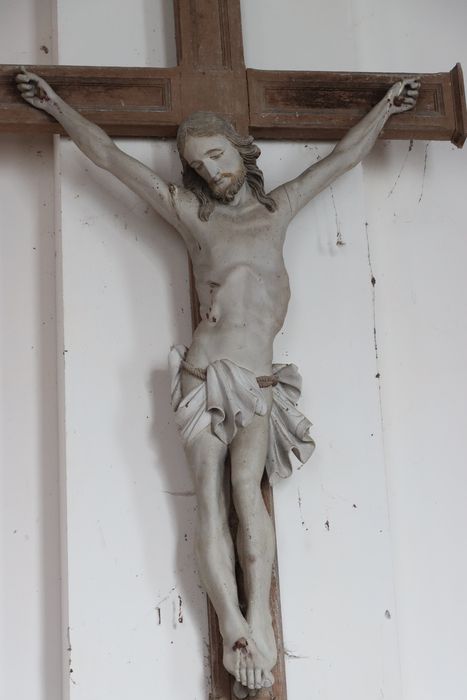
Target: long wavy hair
x=210, y=124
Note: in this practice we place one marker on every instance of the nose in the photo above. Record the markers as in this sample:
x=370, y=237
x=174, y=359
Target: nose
x=211, y=168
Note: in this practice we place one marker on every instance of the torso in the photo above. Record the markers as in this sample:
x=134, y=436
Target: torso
x=241, y=281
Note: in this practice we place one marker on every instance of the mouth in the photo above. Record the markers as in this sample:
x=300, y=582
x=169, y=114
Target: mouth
x=224, y=186
x=218, y=179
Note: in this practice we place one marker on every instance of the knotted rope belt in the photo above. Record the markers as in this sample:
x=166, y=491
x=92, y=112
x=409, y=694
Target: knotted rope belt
x=263, y=381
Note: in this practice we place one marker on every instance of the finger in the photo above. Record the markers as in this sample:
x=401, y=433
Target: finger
x=250, y=676
x=412, y=93
x=258, y=678
x=27, y=75
x=409, y=101
x=26, y=87
x=22, y=78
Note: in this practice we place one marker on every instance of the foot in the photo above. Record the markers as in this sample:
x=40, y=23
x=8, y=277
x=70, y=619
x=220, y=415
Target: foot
x=263, y=634
x=246, y=664
x=241, y=691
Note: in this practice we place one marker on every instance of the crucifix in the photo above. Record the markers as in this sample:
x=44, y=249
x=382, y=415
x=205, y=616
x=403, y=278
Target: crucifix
x=211, y=75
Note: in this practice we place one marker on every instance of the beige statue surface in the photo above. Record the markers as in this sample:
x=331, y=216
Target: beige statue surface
x=227, y=394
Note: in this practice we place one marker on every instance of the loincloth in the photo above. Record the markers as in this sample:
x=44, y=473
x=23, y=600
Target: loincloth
x=229, y=397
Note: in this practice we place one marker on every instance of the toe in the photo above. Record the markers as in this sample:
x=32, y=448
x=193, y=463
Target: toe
x=250, y=676
x=243, y=678
x=268, y=681
x=240, y=691
x=258, y=678
x=237, y=667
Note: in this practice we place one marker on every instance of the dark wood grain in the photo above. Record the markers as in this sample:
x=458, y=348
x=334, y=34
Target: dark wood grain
x=305, y=105
x=460, y=109
x=210, y=55
x=123, y=101
x=324, y=106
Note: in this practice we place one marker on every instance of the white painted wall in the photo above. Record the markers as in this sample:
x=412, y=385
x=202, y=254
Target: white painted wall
x=29, y=514
x=394, y=448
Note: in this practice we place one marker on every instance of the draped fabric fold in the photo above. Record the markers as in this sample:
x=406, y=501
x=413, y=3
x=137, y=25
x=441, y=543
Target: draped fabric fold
x=230, y=397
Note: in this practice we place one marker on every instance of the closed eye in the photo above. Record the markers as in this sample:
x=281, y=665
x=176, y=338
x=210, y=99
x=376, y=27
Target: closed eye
x=215, y=153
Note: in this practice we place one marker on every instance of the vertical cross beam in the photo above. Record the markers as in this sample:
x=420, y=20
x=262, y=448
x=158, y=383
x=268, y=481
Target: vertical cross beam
x=210, y=58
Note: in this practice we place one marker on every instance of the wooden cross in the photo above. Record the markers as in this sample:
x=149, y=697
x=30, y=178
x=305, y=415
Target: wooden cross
x=268, y=104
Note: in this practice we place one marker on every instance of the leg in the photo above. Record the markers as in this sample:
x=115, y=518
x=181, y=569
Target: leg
x=214, y=546
x=255, y=542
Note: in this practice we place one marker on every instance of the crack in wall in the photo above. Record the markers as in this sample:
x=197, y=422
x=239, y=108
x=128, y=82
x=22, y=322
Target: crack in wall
x=401, y=169
x=373, y=299
x=375, y=333
x=339, y=239
x=424, y=172
x=383, y=441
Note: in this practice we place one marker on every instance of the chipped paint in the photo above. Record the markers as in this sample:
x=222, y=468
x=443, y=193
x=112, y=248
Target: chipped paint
x=180, y=612
x=166, y=597
x=291, y=655
x=299, y=499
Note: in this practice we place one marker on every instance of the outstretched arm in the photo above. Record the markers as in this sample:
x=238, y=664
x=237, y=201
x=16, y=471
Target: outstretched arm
x=95, y=144
x=355, y=145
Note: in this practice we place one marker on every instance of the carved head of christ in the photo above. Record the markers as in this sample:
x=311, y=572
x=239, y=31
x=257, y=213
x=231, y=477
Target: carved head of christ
x=217, y=161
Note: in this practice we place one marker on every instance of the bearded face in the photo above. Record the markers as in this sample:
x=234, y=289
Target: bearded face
x=218, y=162
x=227, y=185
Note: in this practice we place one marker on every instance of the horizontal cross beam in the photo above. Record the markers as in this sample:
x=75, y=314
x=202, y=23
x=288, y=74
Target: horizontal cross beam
x=324, y=106
x=282, y=104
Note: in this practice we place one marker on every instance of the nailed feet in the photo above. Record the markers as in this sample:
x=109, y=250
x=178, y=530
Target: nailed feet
x=249, y=666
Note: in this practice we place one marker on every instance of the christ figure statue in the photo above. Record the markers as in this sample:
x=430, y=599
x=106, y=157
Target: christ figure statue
x=227, y=394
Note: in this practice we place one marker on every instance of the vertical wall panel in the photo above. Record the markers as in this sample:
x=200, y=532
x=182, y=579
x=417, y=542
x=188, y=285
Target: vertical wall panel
x=135, y=607
x=417, y=218
x=30, y=665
